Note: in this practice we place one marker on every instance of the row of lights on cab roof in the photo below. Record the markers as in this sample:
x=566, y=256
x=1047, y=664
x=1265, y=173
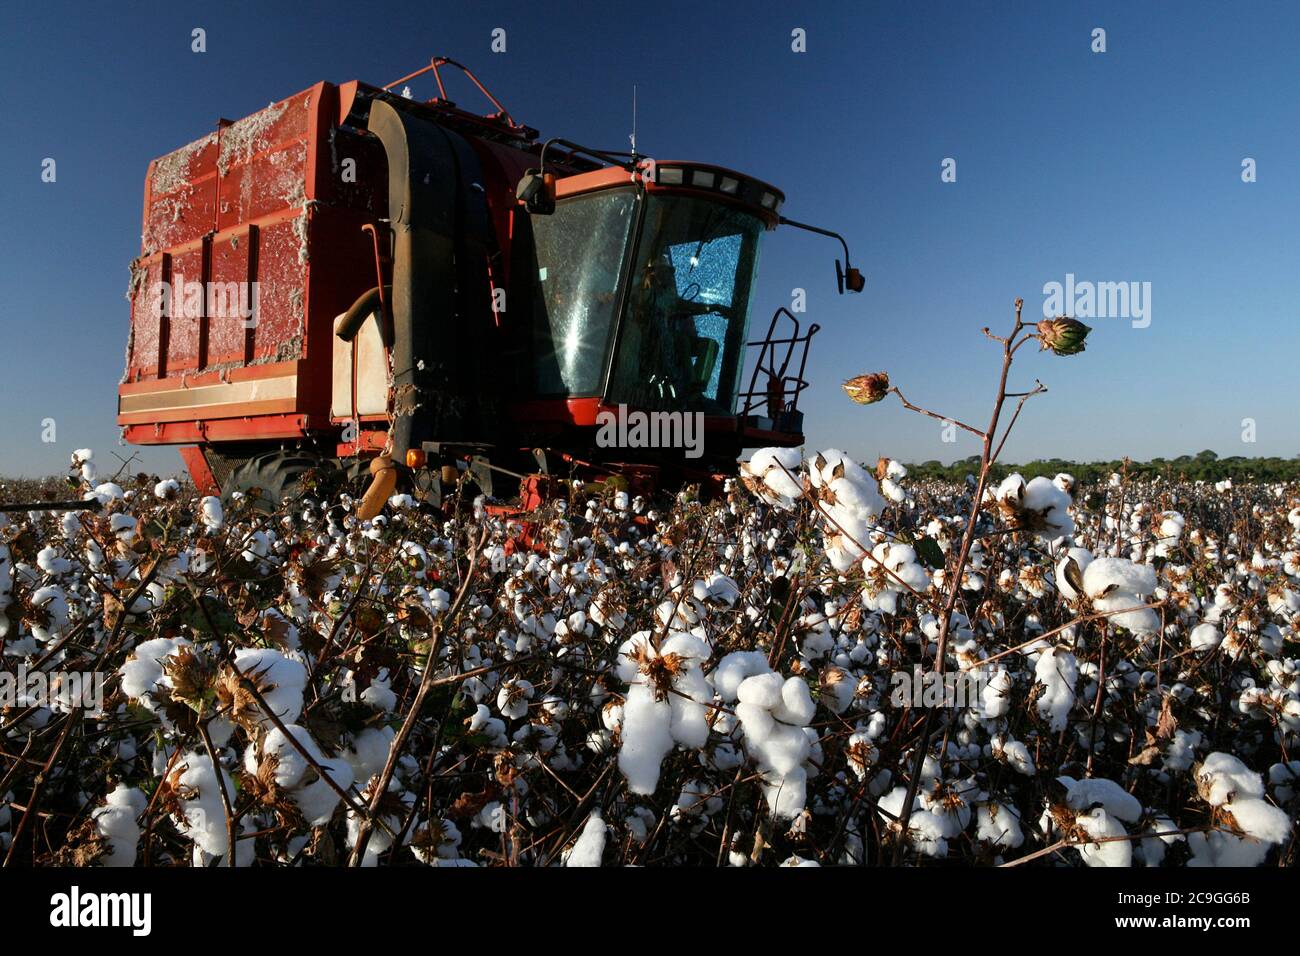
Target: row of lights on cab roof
x=710, y=179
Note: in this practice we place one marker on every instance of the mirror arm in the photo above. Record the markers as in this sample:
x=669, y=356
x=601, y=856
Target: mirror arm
x=847, y=274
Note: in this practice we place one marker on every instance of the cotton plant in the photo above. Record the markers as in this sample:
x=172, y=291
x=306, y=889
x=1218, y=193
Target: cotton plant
x=665, y=706
x=891, y=571
x=1038, y=506
x=692, y=666
x=849, y=506
x=773, y=714
x=1093, y=818
x=1247, y=825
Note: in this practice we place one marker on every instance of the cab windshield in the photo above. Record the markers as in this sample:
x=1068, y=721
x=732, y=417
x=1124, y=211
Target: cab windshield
x=681, y=340
x=580, y=250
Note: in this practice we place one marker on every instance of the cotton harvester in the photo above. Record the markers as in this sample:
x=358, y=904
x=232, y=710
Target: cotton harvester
x=352, y=279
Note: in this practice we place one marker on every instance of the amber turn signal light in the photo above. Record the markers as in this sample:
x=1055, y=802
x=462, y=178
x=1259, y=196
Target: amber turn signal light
x=414, y=458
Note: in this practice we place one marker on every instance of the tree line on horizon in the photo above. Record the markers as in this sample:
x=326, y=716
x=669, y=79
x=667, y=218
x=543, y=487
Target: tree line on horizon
x=1205, y=466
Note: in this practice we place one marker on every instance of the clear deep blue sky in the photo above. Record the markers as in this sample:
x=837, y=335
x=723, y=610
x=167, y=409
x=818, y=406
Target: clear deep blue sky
x=1122, y=166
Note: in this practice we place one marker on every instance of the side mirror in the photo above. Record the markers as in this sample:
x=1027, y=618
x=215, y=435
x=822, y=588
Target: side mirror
x=537, y=192
x=849, y=278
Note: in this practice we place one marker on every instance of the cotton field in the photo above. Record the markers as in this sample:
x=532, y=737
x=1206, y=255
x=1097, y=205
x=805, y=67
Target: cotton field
x=616, y=681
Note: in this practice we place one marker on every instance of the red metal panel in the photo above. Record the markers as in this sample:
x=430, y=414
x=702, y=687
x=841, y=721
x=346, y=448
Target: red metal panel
x=187, y=308
x=262, y=161
x=145, y=322
x=199, y=471
x=262, y=200
x=231, y=252
x=180, y=195
x=281, y=290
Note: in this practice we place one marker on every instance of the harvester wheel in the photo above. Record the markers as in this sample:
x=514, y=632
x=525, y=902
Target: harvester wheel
x=272, y=477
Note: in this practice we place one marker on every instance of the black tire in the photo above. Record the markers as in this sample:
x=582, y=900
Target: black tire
x=271, y=478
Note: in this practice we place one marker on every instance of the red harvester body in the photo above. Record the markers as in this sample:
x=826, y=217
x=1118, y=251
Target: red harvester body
x=502, y=327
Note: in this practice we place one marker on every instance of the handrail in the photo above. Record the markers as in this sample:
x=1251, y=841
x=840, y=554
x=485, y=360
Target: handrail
x=438, y=61
x=781, y=385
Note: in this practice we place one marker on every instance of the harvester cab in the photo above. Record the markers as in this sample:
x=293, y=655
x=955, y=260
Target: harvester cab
x=443, y=297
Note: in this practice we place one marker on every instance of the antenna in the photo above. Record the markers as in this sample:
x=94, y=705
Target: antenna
x=633, y=136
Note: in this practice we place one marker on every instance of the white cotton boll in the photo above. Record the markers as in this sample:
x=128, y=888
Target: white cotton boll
x=995, y=697
x=1125, y=609
x=998, y=824
x=53, y=600
x=1222, y=777
x=772, y=712
x=167, y=489
x=1181, y=752
x=1117, y=574
x=787, y=794
x=123, y=527
x=1017, y=755
x=1284, y=778
x=381, y=838
x=1158, y=836
x=513, y=697
x=203, y=816
x=368, y=752
x=1220, y=849
x=647, y=738
x=1075, y=559
x=1114, y=799
x=927, y=832
x=640, y=823
x=723, y=589
x=1171, y=526
x=51, y=562
x=838, y=689
x=761, y=690
x=280, y=680
x=317, y=800
x=1058, y=671
x=1042, y=494
x=590, y=846
x=379, y=696
x=1112, y=853
x=116, y=823
x=493, y=728
x=797, y=860
x=784, y=748
x=143, y=670
x=290, y=765
x=770, y=474
x=862, y=753
x=108, y=491
x=1205, y=637
x=796, y=705
x=1260, y=820
x=689, y=725
x=211, y=513
x=81, y=456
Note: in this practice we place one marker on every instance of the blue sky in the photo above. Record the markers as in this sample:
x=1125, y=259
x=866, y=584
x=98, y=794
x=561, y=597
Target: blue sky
x=1116, y=166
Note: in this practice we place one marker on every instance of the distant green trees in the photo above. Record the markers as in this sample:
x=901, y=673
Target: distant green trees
x=1205, y=466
